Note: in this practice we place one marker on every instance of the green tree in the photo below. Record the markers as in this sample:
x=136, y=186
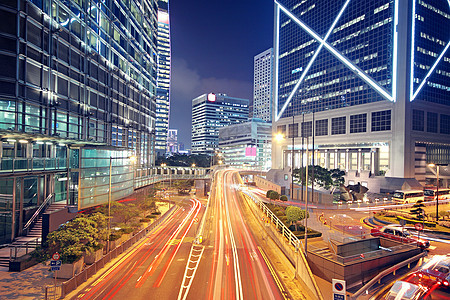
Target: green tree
x=283, y=198
x=272, y=195
x=82, y=234
x=294, y=214
x=417, y=210
x=322, y=176
x=338, y=178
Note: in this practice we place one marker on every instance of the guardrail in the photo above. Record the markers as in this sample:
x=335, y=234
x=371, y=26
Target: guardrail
x=287, y=234
x=388, y=271
x=289, y=244
x=30, y=245
x=62, y=290
x=151, y=179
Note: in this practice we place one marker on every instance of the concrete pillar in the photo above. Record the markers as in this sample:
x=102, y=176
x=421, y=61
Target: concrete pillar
x=402, y=149
x=347, y=162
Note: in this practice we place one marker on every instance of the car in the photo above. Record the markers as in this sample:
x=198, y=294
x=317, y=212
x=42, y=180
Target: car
x=396, y=232
x=435, y=271
x=402, y=290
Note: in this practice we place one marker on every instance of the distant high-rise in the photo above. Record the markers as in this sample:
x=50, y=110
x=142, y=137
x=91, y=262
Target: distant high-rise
x=376, y=76
x=172, y=141
x=247, y=144
x=262, y=85
x=211, y=112
x=163, y=90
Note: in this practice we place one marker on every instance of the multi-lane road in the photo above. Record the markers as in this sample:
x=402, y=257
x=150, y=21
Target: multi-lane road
x=234, y=266
x=227, y=263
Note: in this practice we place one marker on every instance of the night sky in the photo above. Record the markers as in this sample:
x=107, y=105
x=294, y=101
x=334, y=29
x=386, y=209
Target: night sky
x=213, y=45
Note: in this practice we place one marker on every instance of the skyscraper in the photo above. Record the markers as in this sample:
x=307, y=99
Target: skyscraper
x=172, y=141
x=211, y=112
x=262, y=85
x=247, y=144
x=163, y=85
x=375, y=74
x=77, y=95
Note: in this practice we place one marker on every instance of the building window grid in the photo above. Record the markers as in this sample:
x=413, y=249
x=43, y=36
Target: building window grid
x=358, y=123
x=381, y=120
x=432, y=122
x=338, y=125
x=445, y=124
x=418, y=120
x=321, y=127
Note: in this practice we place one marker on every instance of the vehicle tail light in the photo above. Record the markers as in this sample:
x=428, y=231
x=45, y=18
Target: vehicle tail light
x=445, y=282
x=420, y=275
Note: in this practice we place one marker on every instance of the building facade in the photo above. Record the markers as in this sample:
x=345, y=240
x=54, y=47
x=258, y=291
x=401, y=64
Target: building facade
x=211, y=112
x=172, y=141
x=375, y=75
x=262, y=85
x=247, y=145
x=77, y=99
x=163, y=83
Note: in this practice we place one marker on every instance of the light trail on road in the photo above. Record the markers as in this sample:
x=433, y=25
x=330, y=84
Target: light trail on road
x=132, y=276
x=239, y=268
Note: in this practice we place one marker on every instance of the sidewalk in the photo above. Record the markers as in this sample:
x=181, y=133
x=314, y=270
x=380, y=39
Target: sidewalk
x=28, y=284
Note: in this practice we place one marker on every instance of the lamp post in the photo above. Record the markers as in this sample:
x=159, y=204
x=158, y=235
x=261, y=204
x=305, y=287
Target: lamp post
x=437, y=189
x=109, y=203
x=293, y=160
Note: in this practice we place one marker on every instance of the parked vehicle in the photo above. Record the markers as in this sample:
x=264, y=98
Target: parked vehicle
x=405, y=197
x=430, y=194
x=396, y=232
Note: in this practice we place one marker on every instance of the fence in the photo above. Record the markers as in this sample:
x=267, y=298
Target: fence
x=61, y=290
x=288, y=242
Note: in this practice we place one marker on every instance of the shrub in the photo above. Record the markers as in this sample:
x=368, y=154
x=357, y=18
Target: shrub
x=283, y=198
x=145, y=220
x=413, y=221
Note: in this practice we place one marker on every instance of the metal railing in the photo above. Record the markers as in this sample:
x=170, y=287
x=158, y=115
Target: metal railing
x=14, y=165
x=14, y=250
x=286, y=232
x=151, y=179
x=37, y=214
x=386, y=272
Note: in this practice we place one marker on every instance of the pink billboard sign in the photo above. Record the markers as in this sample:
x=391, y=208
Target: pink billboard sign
x=250, y=151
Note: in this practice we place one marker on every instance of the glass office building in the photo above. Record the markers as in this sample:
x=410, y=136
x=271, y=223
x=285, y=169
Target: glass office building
x=163, y=83
x=77, y=92
x=374, y=73
x=211, y=112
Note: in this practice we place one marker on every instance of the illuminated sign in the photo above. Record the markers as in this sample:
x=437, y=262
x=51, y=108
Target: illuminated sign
x=163, y=17
x=250, y=151
x=211, y=97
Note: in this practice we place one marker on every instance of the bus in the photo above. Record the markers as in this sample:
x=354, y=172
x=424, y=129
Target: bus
x=430, y=194
x=404, y=197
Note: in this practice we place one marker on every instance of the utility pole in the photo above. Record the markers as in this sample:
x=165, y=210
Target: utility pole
x=293, y=161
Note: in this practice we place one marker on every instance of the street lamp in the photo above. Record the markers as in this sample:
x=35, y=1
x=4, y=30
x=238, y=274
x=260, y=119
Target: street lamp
x=437, y=189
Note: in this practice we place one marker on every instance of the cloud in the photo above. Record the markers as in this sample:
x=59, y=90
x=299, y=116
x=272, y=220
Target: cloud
x=187, y=84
